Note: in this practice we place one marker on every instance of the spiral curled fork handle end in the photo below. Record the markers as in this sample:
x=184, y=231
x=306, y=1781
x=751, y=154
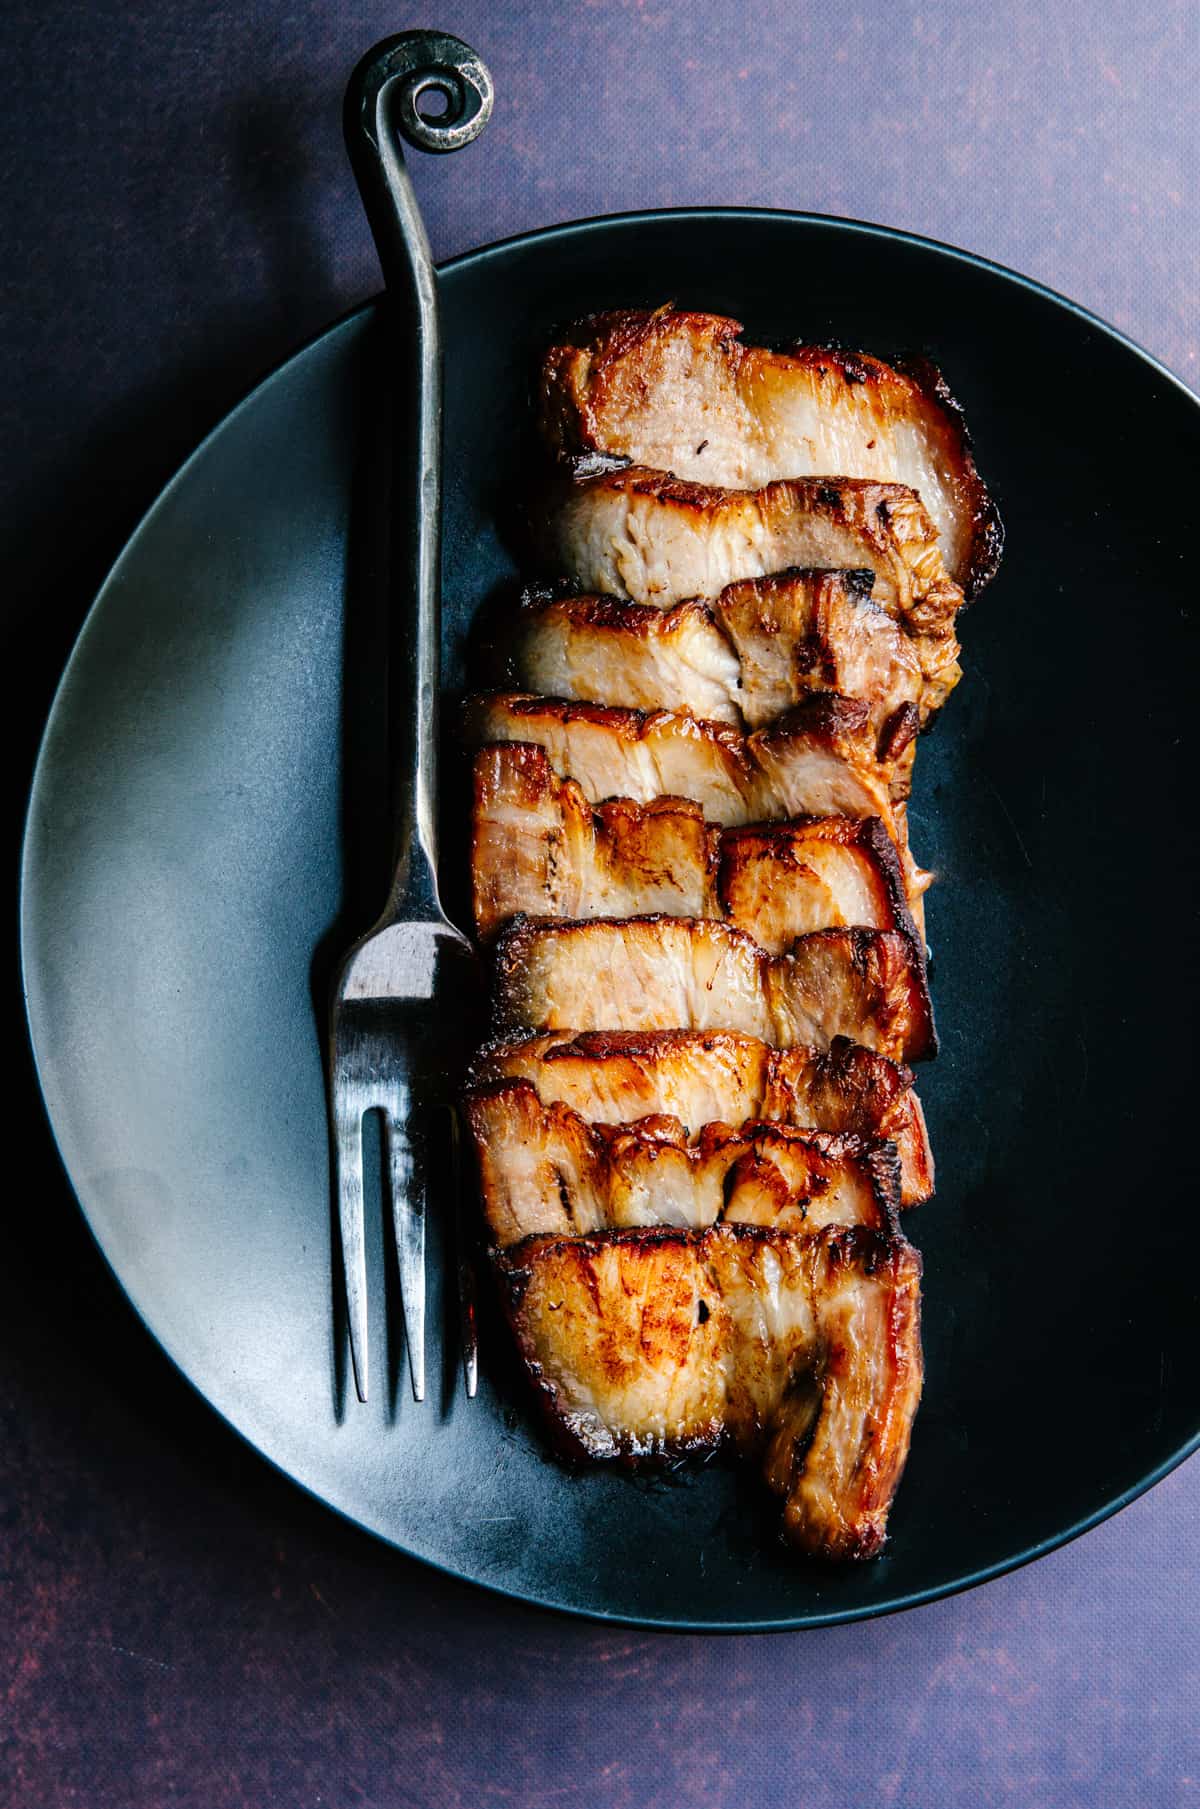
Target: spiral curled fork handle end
x=420, y=63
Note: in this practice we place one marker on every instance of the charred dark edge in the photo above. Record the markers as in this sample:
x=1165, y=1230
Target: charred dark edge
x=918, y=1141
x=600, y=1045
x=874, y=837
x=855, y=366
x=882, y=1160
x=859, y=1541
x=847, y=1243
x=987, y=538
x=860, y=942
x=899, y=732
x=843, y=1061
x=591, y=1045
x=619, y=719
x=826, y=493
x=512, y=1275
x=513, y=939
x=872, y=1250
x=843, y=1050
x=824, y=714
x=545, y=594
x=877, y=1157
x=599, y=609
x=482, y=1092
x=867, y=832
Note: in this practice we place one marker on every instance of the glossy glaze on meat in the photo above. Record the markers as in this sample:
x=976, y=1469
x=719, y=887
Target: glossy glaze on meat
x=662, y=973
x=802, y=1349
x=646, y=537
x=819, y=761
x=546, y=1171
x=745, y=657
x=539, y=848
x=699, y=1078
x=680, y=391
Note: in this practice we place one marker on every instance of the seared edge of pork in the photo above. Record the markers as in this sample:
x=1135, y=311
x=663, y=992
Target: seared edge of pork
x=679, y=390
x=818, y=760
x=803, y=1350
x=667, y=973
x=546, y=1171
x=648, y=537
x=745, y=657
x=539, y=847
x=717, y=1076
x=702, y=1077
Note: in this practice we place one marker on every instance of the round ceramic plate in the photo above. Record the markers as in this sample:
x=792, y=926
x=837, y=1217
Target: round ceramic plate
x=205, y=831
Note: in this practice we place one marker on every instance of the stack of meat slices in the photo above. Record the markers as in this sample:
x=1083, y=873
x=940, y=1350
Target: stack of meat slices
x=697, y=1126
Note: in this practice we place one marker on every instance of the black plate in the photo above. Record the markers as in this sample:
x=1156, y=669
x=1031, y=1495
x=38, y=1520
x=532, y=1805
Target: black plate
x=184, y=881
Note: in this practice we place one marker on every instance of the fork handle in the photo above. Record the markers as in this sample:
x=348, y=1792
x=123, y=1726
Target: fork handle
x=383, y=102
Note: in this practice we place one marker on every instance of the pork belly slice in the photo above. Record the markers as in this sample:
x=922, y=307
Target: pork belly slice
x=745, y=658
x=674, y=973
x=780, y=881
x=538, y=847
x=820, y=761
x=647, y=537
x=679, y=391
x=545, y=1171
x=796, y=632
x=803, y=1351
x=705, y=1077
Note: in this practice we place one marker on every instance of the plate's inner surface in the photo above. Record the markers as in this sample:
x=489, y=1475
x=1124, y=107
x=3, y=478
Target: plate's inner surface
x=201, y=841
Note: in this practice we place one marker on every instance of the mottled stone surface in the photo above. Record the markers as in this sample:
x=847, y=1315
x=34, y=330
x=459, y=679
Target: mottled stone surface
x=177, y=1624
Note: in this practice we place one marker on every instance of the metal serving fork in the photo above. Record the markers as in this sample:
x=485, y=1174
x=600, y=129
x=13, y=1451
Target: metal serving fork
x=406, y=989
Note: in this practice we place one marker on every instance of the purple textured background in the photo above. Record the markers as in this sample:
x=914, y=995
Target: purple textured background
x=176, y=1623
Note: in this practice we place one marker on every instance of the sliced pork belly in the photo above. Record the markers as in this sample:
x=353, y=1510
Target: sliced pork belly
x=802, y=631
x=700, y=1078
x=663, y=973
x=646, y=537
x=539, y=848
x=600, y=650
x=745, y=658
x=820, y=762
x=546, y=1171
x=679, y=391
x=802, y=1350
x=781, y=881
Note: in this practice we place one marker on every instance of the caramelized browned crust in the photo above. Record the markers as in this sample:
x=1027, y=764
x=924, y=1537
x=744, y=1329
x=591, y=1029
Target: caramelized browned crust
x=539, y=848
x=783, y=880
x=679, y=391
x=745, y=658
x=663, y=973
x=796, y=632
x=719, y=1077
x=545, y=1171
x=647, y=537
x=803, y=1350
x=818, y=761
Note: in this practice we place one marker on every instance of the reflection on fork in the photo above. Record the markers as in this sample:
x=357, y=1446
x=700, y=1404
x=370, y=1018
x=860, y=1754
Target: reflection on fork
x=398, y=1055
x=407, y=992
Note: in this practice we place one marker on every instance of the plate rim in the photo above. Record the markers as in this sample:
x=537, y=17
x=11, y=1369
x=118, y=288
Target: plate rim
x=586, y=225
